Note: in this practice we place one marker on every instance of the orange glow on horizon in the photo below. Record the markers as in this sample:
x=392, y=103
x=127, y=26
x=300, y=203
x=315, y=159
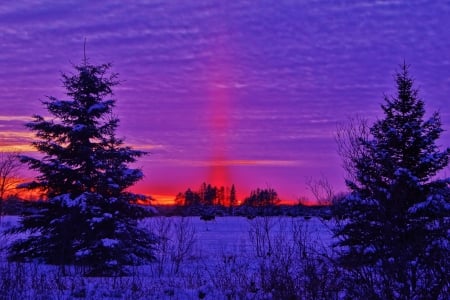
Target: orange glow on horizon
x=162, y=199
x=165, y=195
x=16, y=141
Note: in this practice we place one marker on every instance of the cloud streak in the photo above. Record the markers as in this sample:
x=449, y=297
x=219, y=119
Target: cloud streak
x=225, y=163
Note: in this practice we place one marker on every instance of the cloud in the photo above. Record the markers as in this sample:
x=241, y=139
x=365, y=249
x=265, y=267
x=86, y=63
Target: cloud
x=238, y=162
x=284, y=163
x=16, y=141
x=15, y=118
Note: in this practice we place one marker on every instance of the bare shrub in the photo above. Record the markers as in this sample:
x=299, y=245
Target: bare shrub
x=260, y=235
x=281, y=261
x=231, y=276
x=321, y=189
x=290, y=265
x=9, y=175
x=278, y=270
x=184, y=239
x=162, y=228
x=348, y=138
x=176, y=238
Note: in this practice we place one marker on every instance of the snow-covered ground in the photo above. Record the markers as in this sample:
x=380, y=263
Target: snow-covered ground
x=227, y=258
x=233, y=233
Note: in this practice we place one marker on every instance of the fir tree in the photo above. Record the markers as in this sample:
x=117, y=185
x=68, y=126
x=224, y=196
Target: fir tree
x=233, y=199
x=89, y=217
x=395, y=237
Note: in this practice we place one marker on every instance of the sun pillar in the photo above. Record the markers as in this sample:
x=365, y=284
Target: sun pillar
x=219, y=101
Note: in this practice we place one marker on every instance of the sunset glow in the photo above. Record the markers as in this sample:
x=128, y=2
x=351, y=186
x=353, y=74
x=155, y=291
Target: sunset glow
x=245, y=93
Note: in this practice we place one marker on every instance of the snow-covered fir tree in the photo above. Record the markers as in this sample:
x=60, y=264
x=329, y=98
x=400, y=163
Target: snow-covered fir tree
x=395, y=233
x=89, y=218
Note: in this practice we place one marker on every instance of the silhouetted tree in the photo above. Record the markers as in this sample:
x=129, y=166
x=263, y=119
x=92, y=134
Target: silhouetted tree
x=262, y=197
x=348, y=138
x=207, y=194
x=321, y=189
x=233, y=199
x=89, y=219
x=180, y=199
x=220, y=196
x=191, y=198
x=9, y=175
x=395, y=237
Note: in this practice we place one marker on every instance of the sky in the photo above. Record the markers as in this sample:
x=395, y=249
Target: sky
x=243, y=92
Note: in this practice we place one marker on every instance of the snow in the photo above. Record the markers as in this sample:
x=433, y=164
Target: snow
x=132, y=173
x=81, y=253
x=106, y=242
x=97, y=220
x=403, y=172
x=78, y=127
x=98, y=107
x=61, y=104
x=112, y=262
x=434, y=202
x=221, y=264
x=57, y=103
x=67, y=200
x=113, y=185
x=369, y=250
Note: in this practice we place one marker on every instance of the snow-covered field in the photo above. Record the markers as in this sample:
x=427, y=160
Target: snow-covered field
x=227, y=258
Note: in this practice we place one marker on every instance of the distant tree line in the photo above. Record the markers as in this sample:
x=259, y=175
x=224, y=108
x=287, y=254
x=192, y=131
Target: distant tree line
x=209, y=201
x=208, y=195
x=262, y=197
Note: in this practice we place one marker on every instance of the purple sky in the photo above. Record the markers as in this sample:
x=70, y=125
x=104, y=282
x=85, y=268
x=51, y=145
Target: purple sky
x=244, y=92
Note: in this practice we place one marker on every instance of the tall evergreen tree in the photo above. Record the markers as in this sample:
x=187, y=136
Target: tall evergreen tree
x=89, y=217
x=396, y=233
